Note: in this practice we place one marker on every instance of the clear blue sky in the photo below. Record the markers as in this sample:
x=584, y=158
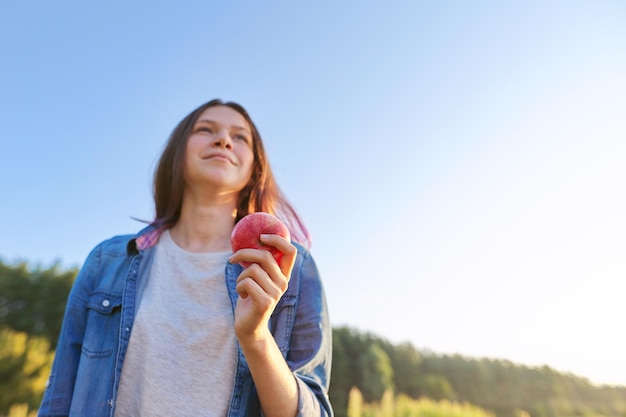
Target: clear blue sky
x=459, y=164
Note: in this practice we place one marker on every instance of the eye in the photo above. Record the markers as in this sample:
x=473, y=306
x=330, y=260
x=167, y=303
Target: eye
x=241, y=137
x=204, y=128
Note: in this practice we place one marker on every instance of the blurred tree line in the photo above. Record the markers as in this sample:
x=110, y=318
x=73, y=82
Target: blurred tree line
x=370, y=376
x=501, y=387
x=32, y=303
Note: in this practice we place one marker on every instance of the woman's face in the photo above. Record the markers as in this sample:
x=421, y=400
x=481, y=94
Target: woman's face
x=219, y=151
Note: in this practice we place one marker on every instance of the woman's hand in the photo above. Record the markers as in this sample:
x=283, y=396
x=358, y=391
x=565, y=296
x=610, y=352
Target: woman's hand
x=260, y=286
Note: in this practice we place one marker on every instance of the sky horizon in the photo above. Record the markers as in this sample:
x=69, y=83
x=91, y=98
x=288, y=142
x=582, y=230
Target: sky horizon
x=459, y=166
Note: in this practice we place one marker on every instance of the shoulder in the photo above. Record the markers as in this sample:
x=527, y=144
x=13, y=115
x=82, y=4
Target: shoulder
x=115, y=245
x=115, y=248
x=120, y=245
x=107, y=260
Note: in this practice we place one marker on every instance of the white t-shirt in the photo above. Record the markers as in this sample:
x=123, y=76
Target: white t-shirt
x=182, y=355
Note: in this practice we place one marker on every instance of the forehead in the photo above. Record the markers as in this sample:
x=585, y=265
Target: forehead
x=224, y=115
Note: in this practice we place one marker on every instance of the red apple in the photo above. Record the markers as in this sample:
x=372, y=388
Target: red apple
x=247, y=232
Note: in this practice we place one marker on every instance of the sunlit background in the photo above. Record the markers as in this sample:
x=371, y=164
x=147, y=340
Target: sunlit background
x=460, y=165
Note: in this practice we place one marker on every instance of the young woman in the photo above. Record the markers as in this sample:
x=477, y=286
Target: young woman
x=167, y=322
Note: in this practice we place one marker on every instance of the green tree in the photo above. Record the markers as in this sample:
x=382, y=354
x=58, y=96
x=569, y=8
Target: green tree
x=437, y=387
x=377, y=373
x=405, y=361
x=25, y=363
x=341, y=380
x=33, y=300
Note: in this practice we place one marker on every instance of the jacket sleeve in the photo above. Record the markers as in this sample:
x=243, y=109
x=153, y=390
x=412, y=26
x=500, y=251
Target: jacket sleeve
x=57, y=397
x=310, y=350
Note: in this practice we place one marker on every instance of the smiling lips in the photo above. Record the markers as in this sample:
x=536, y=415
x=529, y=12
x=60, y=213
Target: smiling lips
x=219, y=155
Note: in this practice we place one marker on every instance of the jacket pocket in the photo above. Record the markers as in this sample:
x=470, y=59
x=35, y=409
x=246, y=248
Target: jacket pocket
x=103, y=325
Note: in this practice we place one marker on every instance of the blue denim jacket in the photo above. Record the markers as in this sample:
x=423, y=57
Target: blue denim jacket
x=99, y=320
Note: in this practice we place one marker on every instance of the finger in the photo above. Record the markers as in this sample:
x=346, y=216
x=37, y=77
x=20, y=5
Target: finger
x=288, y=250
x=257, y=256
x=248, y=288
x=272, y=286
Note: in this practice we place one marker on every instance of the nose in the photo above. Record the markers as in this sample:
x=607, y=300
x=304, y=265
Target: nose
x=223, y=140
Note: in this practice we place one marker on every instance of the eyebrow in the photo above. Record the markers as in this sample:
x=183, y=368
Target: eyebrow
x=238, y=127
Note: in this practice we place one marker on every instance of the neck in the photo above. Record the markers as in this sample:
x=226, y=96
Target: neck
x=204, y=227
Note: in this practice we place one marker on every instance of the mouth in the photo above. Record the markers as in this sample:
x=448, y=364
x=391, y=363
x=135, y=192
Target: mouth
x=219, y=156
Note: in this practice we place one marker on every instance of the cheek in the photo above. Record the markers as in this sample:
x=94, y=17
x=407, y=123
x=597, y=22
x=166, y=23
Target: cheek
x=247, y=159
x=194, y=144
x=192, y=148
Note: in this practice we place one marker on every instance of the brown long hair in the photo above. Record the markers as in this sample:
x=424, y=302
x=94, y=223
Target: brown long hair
x=261, y=193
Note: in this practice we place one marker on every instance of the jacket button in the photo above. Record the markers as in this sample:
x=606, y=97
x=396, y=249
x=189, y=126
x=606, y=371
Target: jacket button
x=106, y=303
